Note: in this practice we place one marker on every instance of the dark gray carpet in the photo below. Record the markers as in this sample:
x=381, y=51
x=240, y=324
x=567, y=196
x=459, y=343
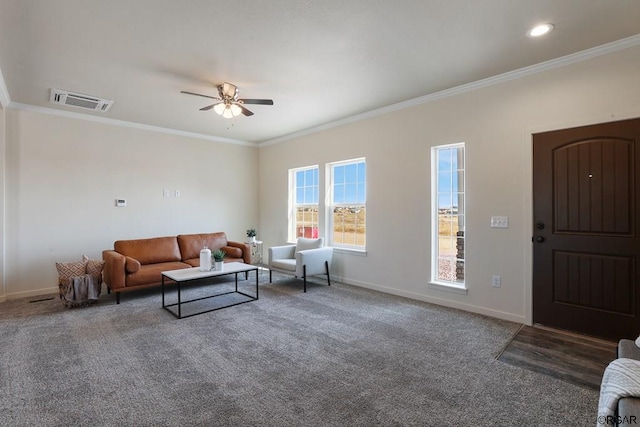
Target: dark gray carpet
x=338, y=356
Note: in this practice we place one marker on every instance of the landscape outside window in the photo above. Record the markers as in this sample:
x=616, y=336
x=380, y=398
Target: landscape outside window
x=305, y=186
x=449, y=213
x=348, y=203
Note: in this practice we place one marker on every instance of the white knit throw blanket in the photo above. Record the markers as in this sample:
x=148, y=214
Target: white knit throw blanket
x=620, y=379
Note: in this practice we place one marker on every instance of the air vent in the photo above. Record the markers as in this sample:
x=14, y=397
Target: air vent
x=79, y=100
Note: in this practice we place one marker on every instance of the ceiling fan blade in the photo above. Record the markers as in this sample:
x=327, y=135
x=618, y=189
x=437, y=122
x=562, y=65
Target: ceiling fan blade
x=199, y=94
x=245, y=111
x=209, y=107
x=257, y=101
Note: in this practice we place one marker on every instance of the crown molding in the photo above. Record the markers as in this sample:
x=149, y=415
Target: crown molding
x=5, y=100
x=490, y=81
x=124, y=123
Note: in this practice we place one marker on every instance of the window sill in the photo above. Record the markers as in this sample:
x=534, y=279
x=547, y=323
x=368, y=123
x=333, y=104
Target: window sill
x=357, y=252
x=449, y=287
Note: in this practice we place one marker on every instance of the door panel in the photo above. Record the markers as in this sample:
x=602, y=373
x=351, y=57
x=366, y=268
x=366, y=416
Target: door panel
x=586, y=244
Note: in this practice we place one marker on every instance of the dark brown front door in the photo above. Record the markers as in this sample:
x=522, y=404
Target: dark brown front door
x=586, y=268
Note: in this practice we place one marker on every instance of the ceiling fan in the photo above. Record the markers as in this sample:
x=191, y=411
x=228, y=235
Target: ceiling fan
x=228, y=105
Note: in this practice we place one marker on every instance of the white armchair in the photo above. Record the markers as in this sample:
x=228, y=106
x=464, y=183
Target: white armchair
x=308, y=257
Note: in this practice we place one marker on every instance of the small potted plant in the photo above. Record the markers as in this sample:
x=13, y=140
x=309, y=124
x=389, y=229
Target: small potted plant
x=251, y=234
x=218, y=257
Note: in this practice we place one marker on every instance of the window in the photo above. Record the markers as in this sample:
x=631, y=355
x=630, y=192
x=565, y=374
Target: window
x=346, y=209
x=303, y=217
x=447, y=263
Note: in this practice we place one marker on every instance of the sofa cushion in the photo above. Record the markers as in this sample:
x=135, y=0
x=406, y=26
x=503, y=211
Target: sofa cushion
x=191, y=244
x=152, y=273
x=150, y=251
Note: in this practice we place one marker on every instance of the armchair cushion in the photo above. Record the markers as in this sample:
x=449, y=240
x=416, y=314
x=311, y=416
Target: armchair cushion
x=304, y=243
x=288, y=264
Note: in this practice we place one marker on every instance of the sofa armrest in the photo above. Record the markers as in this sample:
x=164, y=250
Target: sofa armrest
x=629, y=407
x=246, y=250
x=114, y=269
x=314, y=260
x=281, y=252
x=628, y=349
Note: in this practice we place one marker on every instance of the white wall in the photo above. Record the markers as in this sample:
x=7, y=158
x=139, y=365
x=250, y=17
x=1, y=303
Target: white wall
x=3, y=291
x=63, y=176
x=496, y=123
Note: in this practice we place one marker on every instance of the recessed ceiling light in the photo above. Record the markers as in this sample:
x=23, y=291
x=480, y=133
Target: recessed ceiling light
x=540, y=30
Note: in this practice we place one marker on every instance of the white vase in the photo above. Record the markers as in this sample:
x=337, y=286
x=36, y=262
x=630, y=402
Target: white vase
x=251, y=239
x=219, y=266
x=205, y=259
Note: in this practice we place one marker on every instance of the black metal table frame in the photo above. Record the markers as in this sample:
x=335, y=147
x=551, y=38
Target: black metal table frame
x=236, y=291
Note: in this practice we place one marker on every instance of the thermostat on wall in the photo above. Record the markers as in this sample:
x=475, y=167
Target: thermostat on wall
x=121, y=202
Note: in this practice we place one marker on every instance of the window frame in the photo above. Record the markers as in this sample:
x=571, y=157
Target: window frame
x=330, y=204
x=293, y=205
x=454, y=286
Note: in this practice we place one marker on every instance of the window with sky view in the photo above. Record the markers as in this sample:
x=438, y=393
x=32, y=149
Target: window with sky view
x=448, y=214
x=348, y=203
x=305, y=206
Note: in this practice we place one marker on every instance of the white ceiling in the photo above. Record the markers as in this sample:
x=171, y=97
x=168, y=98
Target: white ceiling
x=320, y=61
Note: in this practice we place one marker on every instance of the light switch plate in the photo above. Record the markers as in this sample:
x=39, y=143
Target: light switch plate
x=499, y=222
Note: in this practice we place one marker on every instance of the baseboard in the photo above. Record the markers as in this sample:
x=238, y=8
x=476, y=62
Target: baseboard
x=439, y=301
x=28, y=294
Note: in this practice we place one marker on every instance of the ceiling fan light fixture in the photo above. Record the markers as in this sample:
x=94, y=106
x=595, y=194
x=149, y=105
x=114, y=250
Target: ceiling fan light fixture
x=540, y=30
x=227, y=114
x=219, y=108
x=235, y=110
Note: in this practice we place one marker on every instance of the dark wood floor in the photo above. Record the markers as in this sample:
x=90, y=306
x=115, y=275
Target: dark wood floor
x=569, y=357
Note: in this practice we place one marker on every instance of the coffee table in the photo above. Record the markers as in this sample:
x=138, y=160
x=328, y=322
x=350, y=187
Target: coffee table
x=188, y=275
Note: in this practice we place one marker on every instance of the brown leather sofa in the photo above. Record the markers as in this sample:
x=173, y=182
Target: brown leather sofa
x=136, y=264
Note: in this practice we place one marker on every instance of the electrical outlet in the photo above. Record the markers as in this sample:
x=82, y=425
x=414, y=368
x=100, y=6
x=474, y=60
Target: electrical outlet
x=496, y=281
x=499, y=222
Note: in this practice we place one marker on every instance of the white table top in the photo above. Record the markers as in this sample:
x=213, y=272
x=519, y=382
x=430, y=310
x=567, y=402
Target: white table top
x=195, y=273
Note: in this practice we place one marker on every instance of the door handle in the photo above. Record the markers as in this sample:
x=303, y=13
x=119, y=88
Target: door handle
x=539, y=239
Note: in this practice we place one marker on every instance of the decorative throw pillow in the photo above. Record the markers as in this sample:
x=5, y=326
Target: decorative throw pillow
x=131, y=265
x=67, y=270
x=232, y=252
x=94, y=268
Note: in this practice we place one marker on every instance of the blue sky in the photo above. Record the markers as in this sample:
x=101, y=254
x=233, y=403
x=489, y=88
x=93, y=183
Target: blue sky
x=447, y=177
x=349, y=184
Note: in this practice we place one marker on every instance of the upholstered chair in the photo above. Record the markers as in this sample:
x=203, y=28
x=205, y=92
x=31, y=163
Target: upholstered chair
x=308, y=257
